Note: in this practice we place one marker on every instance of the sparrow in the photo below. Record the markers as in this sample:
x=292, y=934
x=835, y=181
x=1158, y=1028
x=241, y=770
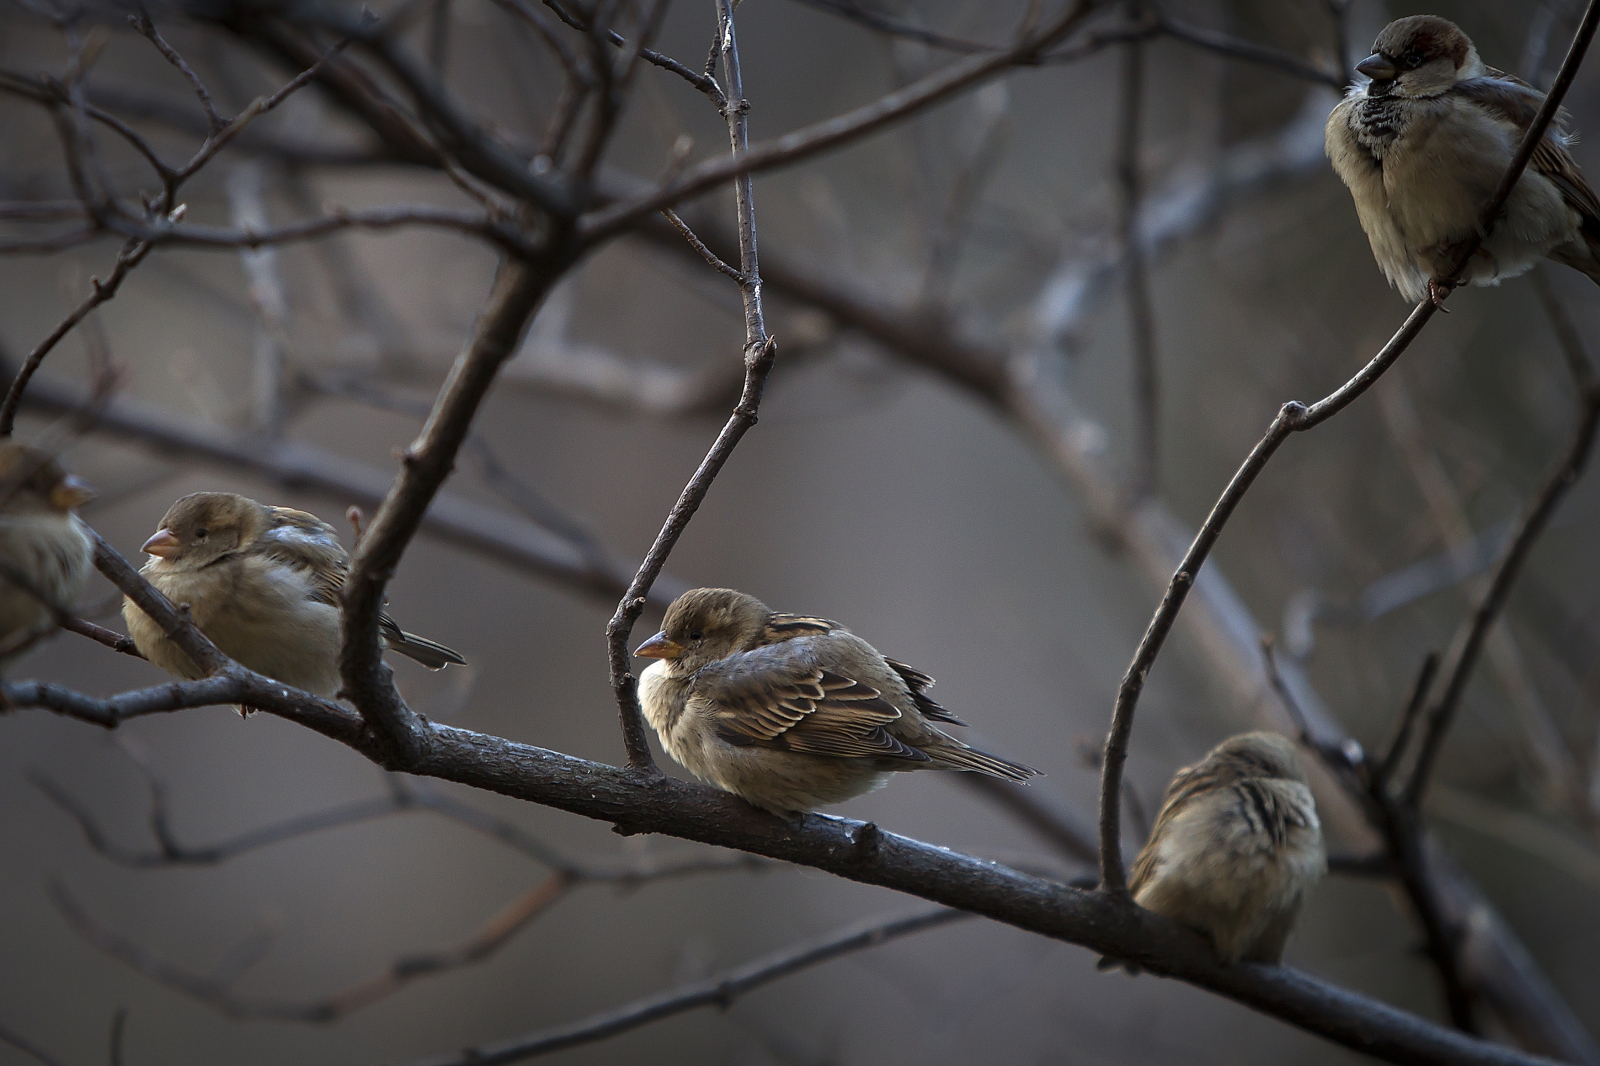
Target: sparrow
x=1424, y=144
x=45, y=555
x=263, y=583
x=791, y=712
x=1236, y=848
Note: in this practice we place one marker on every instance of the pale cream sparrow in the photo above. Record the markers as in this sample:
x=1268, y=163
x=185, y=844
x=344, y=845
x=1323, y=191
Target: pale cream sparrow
x=1236, y=848
x=263, y=583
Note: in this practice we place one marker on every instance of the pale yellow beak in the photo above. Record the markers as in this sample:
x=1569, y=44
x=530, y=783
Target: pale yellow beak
x=660, y=646
x=72, y=492
x=164, y=544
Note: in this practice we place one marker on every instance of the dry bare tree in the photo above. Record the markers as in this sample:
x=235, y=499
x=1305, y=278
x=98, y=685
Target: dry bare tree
x=511, y=153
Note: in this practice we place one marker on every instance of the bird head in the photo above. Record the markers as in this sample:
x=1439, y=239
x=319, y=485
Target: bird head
x=1421, y=55
x=704, y=625
x=204, y=526
x=1258, y=754
x=33, y=481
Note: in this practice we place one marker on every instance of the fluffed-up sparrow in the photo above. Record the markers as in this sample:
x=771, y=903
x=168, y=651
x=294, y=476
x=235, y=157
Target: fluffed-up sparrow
x=1236, y=848
x=1423, y=146
x=263, y=583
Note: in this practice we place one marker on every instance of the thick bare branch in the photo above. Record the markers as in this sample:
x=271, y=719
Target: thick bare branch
x=518, y=290
x=637, y=803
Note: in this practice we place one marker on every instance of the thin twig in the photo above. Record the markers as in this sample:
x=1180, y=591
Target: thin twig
x=131, y=255
x=1141, y=315
x=1384, y=772
x=109, y=637
x=1470, y=638
x=141, y=22
x=830, y=133
x=698, y=245
x=760, y=351
x=721, y=990
x=28, y=1048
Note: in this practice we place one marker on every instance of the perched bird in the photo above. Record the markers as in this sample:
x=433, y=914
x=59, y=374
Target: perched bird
x=790, y=712
x=45, y=555
x=1423, y=146
x=1235, y=849
x=263, y=583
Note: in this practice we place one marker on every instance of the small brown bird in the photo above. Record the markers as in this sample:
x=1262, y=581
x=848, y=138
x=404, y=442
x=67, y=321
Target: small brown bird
x=45, y=556
x=1236, y=848
x=790, y=712
x=263, y=583
x=1422, y=147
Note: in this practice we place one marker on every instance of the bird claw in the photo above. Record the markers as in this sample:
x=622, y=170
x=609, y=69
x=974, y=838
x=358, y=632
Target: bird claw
x=1438, y=292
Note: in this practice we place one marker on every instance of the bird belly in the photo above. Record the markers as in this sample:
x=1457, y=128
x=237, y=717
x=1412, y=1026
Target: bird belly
x=1440, y=178
x=1356, y=159
x=299, y=648
x=261, y=616
x=779, y=781
x=53, y=553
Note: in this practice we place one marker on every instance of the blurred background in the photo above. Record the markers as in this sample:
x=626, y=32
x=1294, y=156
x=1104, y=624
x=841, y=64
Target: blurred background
x=872, y=492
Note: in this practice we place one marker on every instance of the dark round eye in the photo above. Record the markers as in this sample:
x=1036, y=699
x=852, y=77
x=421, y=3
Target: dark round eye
x=1411, y=60
x=200, y=534
x=695, y=634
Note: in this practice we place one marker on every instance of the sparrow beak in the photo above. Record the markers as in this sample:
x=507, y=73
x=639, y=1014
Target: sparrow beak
x=1378, y=68
x=164, y=544
x=660, y=646
x=72, y=492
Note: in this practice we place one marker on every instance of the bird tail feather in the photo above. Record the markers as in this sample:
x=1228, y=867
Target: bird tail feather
x=958, y=756
x=429, y=653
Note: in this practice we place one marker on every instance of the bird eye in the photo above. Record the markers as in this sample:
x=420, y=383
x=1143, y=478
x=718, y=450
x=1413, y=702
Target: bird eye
x=200, y=534
x=1411, y=60
x=695, y=634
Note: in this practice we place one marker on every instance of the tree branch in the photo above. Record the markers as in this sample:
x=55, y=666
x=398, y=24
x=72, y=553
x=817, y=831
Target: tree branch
x=518, y=290
x=720, y=991
x=450, y=518
x=760, y=351
x=809, y=141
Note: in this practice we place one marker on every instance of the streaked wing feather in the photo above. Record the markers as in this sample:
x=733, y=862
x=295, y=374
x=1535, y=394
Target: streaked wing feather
x=306, y=542
x=769, y=698
x=1518, y=103
x=919, y=683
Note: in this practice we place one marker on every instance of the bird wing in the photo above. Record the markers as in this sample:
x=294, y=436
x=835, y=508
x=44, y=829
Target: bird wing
x=1188, y=784
x=780, y=696
x=307, y=543
x=789, y=626
x=1513, y=100
x=919, y=683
